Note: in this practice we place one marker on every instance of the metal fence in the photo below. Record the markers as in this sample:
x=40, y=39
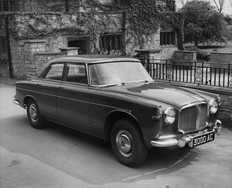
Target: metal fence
x=199, y=72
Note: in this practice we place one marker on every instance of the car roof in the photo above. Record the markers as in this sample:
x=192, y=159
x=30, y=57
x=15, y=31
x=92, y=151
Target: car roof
x=92, y=59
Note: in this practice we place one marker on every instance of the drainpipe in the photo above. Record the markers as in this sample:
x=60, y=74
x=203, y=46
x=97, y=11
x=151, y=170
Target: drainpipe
x=66, y=6
x=8, y=47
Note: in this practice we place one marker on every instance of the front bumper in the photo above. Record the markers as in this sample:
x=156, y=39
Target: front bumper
x=181, y=141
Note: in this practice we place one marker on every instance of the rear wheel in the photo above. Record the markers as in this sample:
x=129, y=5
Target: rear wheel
x=127, y=143
x=33, y=114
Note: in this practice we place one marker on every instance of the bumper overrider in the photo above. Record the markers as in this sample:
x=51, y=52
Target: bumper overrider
x=202, y=137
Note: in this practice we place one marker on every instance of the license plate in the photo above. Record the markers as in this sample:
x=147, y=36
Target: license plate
x=202, y=139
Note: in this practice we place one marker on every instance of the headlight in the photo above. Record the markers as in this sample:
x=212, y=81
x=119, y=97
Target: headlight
x=169, y=115
x=213, y=106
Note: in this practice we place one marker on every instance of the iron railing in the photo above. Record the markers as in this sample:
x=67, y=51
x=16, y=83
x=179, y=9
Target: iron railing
x=199, y=72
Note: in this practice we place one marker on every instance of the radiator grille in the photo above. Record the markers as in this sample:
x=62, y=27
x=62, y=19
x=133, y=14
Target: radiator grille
x=192, y=118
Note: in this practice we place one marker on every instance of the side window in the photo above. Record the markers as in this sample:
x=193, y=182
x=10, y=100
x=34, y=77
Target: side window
x=77, y=73
x=55, y=72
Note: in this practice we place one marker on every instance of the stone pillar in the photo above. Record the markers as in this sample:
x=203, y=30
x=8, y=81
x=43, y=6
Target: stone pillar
x=70, y=51
x=31, y=47
x=151, y=61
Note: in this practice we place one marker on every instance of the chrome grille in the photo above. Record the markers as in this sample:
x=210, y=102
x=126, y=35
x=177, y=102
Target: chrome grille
x=192, y=118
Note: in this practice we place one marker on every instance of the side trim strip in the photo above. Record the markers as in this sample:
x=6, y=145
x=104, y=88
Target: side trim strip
x=67, y=98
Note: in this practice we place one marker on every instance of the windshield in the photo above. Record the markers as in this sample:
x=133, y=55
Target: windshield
x=117, y=73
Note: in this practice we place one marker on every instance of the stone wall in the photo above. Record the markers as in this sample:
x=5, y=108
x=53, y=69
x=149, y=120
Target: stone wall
x=29, y=56
x=221, y=57
x=185, y=56
x=167, y=52
x=4, y=68
x=23, y=57
x=151, y=46
x=226, y=107
x=131, y=42
x=41, y=58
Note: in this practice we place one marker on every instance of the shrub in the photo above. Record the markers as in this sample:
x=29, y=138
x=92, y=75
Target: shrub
x=201, y=55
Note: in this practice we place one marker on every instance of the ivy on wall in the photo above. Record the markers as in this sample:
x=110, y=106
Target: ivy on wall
x=142, y=16
x=91, y=24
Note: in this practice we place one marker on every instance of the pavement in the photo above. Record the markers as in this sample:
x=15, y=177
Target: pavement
x=60, y=157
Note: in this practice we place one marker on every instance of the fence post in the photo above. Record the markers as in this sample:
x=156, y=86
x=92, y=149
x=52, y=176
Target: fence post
x=148, y=64
x=202, y=72
x=166, y=69
x=198, y=74
x=229, y=76
x=195, y=67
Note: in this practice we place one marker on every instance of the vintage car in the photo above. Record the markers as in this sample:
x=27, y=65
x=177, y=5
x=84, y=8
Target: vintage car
x=114, y=98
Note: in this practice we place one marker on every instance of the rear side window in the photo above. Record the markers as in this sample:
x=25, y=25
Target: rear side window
x=76, y=73
x=55, y=72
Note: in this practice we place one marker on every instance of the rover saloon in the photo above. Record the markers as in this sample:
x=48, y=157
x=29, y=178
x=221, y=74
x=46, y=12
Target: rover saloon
x=115, y=99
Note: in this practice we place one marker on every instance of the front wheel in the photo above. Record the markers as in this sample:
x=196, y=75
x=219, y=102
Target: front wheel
x=127, y=143
x=33, y=114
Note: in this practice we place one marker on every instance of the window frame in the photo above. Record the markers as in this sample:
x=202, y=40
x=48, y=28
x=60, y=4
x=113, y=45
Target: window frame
x=117, y=38
x=167, y=38
x=44, y=74
x=66, y=73
x=9, y=5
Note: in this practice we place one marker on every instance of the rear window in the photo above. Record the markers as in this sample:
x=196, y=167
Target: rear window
x=55, y=71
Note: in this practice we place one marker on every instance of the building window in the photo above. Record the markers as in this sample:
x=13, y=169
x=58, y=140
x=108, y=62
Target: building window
x=82, y=43
x=111, y=42
x=3, y=48
x=9, y=5
x=167, y=38
x=122, y=3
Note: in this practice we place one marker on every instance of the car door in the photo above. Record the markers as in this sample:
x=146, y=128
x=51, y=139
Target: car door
x=47, y=88
x=73, y=98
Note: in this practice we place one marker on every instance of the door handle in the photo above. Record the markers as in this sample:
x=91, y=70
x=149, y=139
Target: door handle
x=61, y=87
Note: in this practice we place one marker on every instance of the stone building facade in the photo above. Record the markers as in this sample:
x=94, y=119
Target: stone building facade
x=44, y=27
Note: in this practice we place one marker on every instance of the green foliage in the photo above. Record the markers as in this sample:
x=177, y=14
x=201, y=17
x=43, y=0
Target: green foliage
x=228, y=19
x=143, y=16
x=201, y=55
x=203, y=23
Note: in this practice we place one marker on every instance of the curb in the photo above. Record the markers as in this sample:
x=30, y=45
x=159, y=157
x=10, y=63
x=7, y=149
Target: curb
x=8, y=81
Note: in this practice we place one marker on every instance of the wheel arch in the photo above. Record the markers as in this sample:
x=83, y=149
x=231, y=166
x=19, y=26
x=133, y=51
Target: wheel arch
x=113, y=117
x=26, y=99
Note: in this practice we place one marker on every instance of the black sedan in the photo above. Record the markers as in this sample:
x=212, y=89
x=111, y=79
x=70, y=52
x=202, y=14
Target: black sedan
x=114, y=98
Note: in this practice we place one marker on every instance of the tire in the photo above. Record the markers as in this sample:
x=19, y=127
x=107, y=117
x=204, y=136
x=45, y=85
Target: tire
x=127, y=143
x=35, y=119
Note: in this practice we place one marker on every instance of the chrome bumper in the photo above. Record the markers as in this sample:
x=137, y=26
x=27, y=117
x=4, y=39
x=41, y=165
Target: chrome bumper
x=173, y=140
x=16, y=102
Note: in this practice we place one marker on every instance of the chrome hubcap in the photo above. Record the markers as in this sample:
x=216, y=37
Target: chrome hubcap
x=124, y=143
x=33, y=112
